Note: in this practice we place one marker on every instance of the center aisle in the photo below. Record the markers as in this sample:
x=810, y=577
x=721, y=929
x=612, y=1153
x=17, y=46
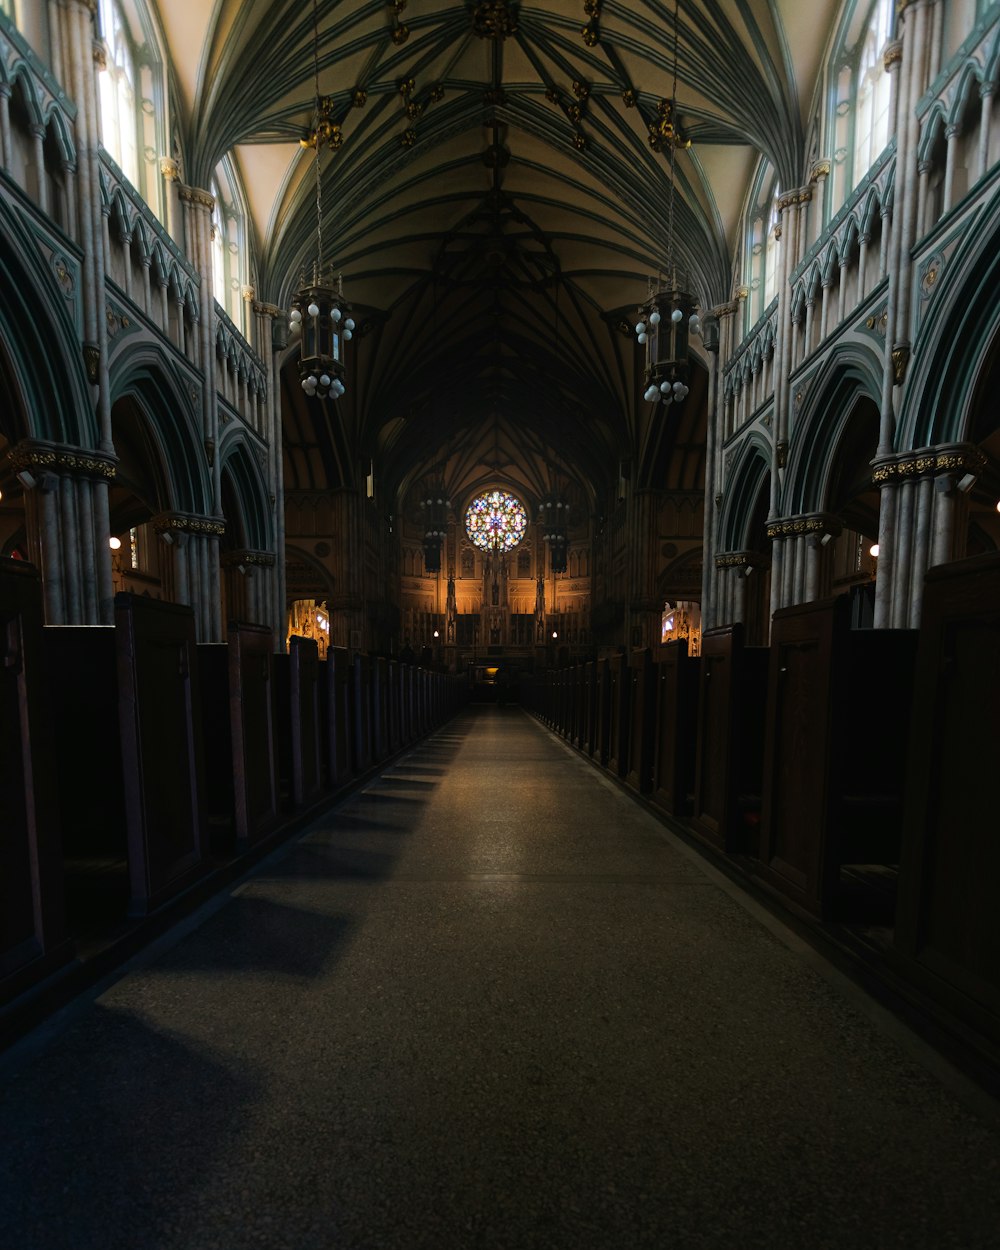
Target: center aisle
x=486, y=1002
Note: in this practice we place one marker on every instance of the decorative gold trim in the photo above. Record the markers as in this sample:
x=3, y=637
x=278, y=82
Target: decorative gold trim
x=879, y=323
x=735, y=559
x=92, y=362
x=892, y=55
x=900, y=359
x=820, y=169
x=256, y=559
x=29, y=454
x=266, y=310
x=811, y=523
x=188, y=524
x=170, y=168
x=929, y=461
x=494, y=19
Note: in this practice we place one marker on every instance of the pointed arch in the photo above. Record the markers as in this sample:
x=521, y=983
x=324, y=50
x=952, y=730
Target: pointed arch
x=752, y=468
x=851, y=371
x=952, y=345
x=146, y=375
x=36, y=327
x=249, y=491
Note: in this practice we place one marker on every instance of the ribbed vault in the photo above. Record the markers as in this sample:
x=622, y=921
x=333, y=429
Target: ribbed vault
x=495, y=203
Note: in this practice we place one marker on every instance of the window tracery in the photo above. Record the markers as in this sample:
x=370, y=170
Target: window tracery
x=229, y=262
x=117, y=83
x=496, y=521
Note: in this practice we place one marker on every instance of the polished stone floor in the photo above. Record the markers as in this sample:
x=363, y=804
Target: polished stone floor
x=487, y=1002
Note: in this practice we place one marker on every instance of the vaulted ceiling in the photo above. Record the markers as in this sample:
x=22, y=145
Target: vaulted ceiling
x=496, y=206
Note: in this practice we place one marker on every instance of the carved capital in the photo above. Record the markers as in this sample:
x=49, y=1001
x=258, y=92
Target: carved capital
x=892, y=54
x=33, y=454
x=187, y=523
x=170, y=168
x=197, y=197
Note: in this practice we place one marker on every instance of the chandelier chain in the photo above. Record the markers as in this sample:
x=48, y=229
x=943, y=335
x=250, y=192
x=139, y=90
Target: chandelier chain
x=671, y=266
x=316, y=125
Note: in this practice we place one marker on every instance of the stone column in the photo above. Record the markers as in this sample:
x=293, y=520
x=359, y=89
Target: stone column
x=66, y=517
x=193, y=564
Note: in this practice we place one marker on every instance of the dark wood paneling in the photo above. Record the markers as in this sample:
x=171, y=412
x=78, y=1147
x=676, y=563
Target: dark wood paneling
x=676, y=729
x=642, y=704
x=306, y=722
x=339, y=673
x=834, y=769
x=252, y=731
x=730, y=747
x=361, y=712
x=948, y=921
x=32, y=912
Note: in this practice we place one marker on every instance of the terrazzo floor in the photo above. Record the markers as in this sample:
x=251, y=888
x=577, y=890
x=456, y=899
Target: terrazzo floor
x=486, y=1002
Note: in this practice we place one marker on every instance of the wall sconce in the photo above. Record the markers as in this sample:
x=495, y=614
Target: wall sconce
x=873, y=551
x=26, y=479
x=966, y=483
x=437, y=633
x=555, y=633
x=826, y=540
x=115, y=543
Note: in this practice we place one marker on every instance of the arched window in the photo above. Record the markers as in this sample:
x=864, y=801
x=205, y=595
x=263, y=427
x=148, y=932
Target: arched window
x=119, y=110
x=862, y=93
x=229, y=253
x=871, y=124
x=760, y=267
x=132, y=86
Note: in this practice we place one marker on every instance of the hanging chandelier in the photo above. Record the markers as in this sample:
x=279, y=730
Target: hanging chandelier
x=668, y=318
x=434, y=506
x=318, y=310
x=553, y=514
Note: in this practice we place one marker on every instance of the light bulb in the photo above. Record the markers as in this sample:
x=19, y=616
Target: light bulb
x=324, y=381
x=873, y=551
x=306, y=385
x=295, y=327
x=348, y=336
x=640, y=327
x=336, y=314
x=665, y=388
x=676, y=316
x=313, y=310
x=641, y=338
x=654, y=318
x=349, y=323
x=295, y=316
x=678, y=387
x=114, y=543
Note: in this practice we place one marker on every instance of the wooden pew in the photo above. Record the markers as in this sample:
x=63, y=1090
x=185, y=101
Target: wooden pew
x=395, y=707
x=729, y=758
x=255, y=757
x=33, y=938
x=947, y=936
x=838, y=714
x=300, y=734
x=600, y=746
x=361, y=713
x=676, y=734
x=339, y=672
x=127, y=714
x=642, y=705
x=589, y=718
x=619, y=698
